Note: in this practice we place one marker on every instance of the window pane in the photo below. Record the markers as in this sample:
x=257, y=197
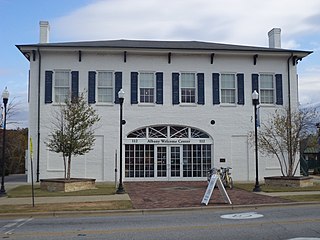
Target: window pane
x=188, y=88
x=105, y=79
x=266, y=81
x=266, y=88
x=228, y=96
x=188, y=80
x=105, y=95
x=149, y=160
x=62, y=79
x=187, y=161
x=228, y=81
x=146, y=95
x=105, y=87
x=267, y=96
x=146, y=87
x=146, y=80
x=228, y=88
x=61, y=86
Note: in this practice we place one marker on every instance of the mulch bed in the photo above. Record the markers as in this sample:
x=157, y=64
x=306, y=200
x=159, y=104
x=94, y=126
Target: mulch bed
x=148, y=195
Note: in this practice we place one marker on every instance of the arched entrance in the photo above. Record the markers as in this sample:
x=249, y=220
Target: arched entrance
x=167, y=152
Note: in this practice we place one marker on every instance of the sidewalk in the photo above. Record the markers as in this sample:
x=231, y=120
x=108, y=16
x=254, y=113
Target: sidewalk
x=282, y=194
x=151, y=195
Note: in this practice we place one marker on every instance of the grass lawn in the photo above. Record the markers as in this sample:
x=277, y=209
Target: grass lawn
x=303, y=198
x=101, y=189
x=26, y=191
x=85, y=206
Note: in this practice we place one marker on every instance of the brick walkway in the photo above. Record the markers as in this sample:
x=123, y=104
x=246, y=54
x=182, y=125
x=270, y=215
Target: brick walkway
x=147, y=195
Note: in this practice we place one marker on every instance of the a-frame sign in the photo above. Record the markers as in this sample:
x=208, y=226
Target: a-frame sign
x=215, y=179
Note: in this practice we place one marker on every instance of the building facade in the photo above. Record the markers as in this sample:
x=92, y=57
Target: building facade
x=187, y=106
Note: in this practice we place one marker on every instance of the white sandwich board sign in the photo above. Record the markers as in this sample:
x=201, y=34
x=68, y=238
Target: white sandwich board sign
x=215, y=179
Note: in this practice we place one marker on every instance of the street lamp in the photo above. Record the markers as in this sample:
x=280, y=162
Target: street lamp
x=121, y=99
x=255, y=102
x=5, y=97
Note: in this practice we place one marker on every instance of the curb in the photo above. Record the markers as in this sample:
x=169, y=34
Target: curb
x=153, y=210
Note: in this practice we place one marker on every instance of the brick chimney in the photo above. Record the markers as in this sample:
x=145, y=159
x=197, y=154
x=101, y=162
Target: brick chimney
x=274, y=38
x=44, y=31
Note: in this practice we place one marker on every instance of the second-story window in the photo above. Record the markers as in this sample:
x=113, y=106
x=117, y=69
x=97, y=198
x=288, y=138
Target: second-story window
x=267, y=89
x=147, y=87
x=228, y=88
x=188, y=88
x=105, y=87
x=62, y=85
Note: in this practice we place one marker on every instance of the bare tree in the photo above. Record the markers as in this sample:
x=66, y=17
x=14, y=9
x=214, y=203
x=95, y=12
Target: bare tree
x=280, y=135
x=13, y=108
x=73, y=132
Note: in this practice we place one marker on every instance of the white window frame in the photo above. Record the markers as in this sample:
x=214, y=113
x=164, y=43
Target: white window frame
x=140, y=94
x=105, y=87
x=55, y=87
x=232, y=89
x=273, y=89
x=195, y=89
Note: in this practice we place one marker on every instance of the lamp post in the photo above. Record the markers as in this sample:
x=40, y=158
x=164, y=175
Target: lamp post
x=255, y=102
x=5, y=97
x=121, y=99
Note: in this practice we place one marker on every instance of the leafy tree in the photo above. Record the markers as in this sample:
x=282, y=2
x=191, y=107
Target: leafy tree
x=73, y=132
x=16, y=139
x=16, y=145
x=280, y=135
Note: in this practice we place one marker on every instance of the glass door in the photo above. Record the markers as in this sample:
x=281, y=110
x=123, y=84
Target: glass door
x=169, y=161
x=162, y=161
x=175, y=155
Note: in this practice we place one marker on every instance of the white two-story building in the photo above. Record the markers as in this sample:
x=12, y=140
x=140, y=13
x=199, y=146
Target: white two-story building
x=188, y=104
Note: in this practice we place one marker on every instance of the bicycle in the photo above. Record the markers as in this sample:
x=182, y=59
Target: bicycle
x=226, y=177
x=224, y=174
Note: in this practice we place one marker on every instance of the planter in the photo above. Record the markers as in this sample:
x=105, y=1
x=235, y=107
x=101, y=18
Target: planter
x=298, y=181
x=62, y=185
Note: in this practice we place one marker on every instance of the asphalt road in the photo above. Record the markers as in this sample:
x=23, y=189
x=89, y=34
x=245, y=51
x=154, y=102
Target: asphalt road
x=285, y=222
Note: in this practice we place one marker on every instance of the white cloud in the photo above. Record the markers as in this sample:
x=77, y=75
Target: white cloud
x=309, y=85
x=239, y=21
x=244, y=22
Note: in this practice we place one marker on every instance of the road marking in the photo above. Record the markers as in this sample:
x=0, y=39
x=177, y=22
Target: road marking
x=242, y=216
x=304, y=238
x=11, y=227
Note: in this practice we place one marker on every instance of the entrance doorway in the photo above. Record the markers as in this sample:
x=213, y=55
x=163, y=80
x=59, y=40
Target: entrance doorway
x=167, y=153
x=168, y=161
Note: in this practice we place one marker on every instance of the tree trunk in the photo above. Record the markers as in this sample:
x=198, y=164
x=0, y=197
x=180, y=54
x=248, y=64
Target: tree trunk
x=65, y=166
x=69, y=167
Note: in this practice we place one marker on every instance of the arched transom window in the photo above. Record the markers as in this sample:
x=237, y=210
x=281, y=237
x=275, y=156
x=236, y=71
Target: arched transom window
x=168, y=131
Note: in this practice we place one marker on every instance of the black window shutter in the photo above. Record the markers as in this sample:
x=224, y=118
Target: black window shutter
x=175, y=88
x=200, y=77
x=48, y=87
x=240, y=85
x=279, y=94
x=92, y=87
x=134, y=87
x=255, y=82
x=215, y=88
x=159, y=87
x=74, y=84
x=117, y=85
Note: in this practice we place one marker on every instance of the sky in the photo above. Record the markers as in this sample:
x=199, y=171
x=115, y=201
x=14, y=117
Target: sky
x=241, y=22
